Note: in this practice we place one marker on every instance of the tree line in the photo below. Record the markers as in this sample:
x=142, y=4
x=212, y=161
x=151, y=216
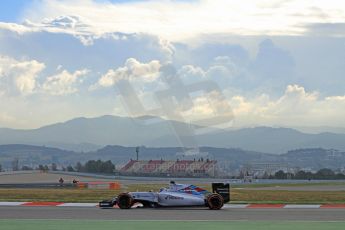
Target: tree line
x=91, y=166
x=322, y=174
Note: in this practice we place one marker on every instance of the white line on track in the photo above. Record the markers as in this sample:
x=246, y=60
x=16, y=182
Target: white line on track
x=11, y=203
x=229, y=221
x=235, y=205
x=78, y=205
x=226, y=206
x=302, y=206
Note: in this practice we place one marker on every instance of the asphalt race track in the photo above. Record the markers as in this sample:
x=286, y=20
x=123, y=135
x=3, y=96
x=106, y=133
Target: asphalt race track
x=94, y=213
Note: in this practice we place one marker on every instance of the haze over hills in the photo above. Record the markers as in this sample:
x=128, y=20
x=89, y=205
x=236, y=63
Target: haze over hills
x=227, y=158
x=35, y=155
x=89, y=134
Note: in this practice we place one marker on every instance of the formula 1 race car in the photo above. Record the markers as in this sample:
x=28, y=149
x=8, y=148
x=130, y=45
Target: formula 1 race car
x=175, y=195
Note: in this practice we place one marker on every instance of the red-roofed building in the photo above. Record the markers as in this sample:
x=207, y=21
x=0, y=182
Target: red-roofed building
x=178, y=168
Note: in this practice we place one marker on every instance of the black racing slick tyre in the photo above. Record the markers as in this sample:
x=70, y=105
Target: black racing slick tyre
x=124, y=201
x=215, y=201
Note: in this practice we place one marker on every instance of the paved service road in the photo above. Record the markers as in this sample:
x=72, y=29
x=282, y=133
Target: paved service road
x=171, y=214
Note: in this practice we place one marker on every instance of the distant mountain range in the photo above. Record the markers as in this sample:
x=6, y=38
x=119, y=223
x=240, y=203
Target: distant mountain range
x=90, y=134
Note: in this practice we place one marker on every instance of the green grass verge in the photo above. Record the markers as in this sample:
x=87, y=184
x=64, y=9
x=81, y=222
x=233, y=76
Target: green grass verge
x=166, y=225
x=287, y=197
x=331, y=183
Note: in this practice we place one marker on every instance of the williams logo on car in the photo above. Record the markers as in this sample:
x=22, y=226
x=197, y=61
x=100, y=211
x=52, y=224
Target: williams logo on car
x=170, y=197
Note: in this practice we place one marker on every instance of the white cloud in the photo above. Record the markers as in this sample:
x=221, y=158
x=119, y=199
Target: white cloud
x=63, y=83
x=20, y=29
x=19, y=76
x=295, y=107
x=211, y=105
x=6, y=118
x=190, y=73
x=178, y=20
x=133, y=70
x=114, y=32
x=221, y=70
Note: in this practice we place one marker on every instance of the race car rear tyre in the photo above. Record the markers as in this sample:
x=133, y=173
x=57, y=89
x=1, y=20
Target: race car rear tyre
x=124, y=201
x=215, y=201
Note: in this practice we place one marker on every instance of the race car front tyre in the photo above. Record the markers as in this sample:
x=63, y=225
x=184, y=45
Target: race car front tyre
x=124, y=201
x=215, y=201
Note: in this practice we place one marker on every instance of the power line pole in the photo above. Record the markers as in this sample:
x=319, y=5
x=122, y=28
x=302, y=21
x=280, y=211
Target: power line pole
x=137, y=151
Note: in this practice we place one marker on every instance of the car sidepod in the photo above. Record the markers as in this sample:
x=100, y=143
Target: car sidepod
x=180, y=199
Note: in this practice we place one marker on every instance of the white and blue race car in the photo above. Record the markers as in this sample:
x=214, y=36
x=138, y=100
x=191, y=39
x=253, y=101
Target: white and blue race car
x=175, y=195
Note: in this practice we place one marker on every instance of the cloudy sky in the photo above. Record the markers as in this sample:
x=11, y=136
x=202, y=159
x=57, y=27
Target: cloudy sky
x=273, y=62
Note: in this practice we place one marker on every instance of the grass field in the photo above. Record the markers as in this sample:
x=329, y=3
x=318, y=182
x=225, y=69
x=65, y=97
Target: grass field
x=287, y=197
x=254, y=185
x=237, y=195
x=166, y=225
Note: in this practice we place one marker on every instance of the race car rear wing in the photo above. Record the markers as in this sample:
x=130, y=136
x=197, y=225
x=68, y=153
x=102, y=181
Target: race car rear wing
x=222, y=189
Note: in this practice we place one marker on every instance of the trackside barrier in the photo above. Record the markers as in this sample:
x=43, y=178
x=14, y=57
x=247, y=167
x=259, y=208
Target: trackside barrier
x=82, y=185
x=38, y=185
x=91, y=185
x=99, y=185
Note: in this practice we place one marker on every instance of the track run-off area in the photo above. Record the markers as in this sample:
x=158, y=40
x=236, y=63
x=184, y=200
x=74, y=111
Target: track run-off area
x=77, y=209
x=167, y=225
x=52, y=217
x=176, y=214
